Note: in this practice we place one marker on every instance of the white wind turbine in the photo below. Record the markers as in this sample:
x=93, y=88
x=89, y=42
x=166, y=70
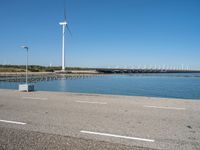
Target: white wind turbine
x=64, y=25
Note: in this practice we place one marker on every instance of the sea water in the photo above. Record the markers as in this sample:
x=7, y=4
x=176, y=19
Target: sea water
x=167, y=85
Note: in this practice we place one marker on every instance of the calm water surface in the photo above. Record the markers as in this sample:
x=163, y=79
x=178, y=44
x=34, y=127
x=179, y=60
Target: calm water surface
x=179, y=85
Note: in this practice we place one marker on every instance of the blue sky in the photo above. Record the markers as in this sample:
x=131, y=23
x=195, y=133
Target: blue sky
x=105, y=32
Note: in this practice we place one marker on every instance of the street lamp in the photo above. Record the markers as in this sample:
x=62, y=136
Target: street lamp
x=26, y=47
x=26, y=87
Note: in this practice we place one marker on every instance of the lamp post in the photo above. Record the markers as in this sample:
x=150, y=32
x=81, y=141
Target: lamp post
x=26, y=87
x=26, y=47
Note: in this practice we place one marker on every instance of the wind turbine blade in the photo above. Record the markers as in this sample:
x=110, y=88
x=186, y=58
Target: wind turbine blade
x=65, y=16
x=69, y=30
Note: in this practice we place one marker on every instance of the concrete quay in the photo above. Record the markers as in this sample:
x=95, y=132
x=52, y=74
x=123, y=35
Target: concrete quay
x=55, y=120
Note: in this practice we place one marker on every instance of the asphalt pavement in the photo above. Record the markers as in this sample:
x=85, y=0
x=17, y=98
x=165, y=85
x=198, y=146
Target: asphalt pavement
x=55, y=120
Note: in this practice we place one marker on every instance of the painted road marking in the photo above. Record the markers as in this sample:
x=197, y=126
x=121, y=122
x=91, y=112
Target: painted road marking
x=176, y=108
x=37, y=98
x=118, y=136
x=101, y=103
x=13, y=122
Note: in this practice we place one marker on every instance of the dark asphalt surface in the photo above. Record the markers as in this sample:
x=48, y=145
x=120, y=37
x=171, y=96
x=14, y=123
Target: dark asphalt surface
x=54, y=120
x=17, y=139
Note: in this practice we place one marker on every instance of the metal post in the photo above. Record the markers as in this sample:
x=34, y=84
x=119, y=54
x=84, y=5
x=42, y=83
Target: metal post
x=27, y=66
x=26, y=87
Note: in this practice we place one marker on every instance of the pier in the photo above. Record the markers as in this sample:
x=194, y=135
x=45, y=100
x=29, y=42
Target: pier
x=75, y=74
x=36, y=77
x=125, y=70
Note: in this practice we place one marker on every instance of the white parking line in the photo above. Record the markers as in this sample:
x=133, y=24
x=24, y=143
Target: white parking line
x=13, y=122
x=159, y=107
x=37, y=98
x=118, y=136
x=101, y=103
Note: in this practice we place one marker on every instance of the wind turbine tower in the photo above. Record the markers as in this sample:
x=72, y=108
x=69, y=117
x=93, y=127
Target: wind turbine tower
x=64, y=26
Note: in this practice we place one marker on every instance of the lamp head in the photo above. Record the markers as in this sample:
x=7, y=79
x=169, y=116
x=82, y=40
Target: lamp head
x=25, y=47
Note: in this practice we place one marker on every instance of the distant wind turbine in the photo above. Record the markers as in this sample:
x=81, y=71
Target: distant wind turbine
x=64, y=25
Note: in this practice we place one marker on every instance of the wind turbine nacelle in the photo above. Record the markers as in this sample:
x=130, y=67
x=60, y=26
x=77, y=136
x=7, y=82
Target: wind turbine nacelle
x=63, y=23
